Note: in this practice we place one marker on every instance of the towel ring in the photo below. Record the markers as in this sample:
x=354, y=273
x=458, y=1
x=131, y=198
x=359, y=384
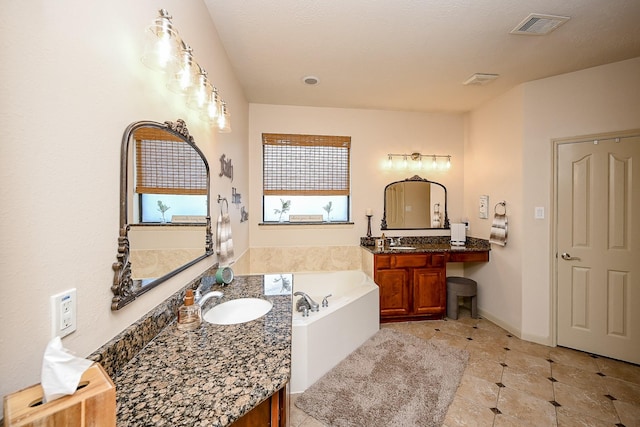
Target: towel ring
x=223, y=199
x=504, y=207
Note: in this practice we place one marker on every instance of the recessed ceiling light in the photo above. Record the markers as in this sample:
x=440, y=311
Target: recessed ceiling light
x=537, y=24
x=310, y=80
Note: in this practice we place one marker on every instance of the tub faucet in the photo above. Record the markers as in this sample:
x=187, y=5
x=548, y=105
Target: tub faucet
x=313, y=306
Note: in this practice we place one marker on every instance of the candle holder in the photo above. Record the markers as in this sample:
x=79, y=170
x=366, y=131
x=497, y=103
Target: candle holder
x=369, y=225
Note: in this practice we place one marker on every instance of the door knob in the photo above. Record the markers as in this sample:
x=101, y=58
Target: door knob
x=568, y=257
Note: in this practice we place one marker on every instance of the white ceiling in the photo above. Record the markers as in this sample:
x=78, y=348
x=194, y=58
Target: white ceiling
x=412, y=55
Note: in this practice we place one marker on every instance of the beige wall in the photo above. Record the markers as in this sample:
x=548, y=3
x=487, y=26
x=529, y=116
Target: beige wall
x=508, y=155
x=374, y=134
x=596, y=100
x=493, y=167
x=70, y=82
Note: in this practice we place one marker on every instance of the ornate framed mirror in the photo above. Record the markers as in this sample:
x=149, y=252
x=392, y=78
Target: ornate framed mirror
x=415, y=204
x=165, y=221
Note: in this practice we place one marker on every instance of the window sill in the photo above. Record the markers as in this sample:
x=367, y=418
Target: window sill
x=287, y=224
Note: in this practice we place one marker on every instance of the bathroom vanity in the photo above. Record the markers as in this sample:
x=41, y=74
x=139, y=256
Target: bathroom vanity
x=413, y=279
x=216, y=375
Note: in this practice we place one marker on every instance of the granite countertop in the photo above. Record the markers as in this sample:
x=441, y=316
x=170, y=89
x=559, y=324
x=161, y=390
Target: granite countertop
x=427, y=244
x=213, y=375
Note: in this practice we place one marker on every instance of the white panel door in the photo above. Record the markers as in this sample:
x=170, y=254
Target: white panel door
x=598, y=242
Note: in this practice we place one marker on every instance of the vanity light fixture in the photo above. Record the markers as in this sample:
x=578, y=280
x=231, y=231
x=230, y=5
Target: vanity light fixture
x=213, y=107
x=224, y=119
x=438, y=161
x=200, y=94
x=162, y=44
x=165, y=51
x=186, y=76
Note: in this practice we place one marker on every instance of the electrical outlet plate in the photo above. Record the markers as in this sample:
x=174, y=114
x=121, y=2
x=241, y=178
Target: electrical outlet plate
x=483, y=208
x=63, y=313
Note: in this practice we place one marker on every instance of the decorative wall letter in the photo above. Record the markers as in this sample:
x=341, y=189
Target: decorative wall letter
x=226, y=168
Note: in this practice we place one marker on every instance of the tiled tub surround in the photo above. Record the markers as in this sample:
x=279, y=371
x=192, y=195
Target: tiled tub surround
x=304, y=258
x=211, y=376
x=426, y=244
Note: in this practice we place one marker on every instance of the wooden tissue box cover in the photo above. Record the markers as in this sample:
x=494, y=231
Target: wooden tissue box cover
x=93, y=404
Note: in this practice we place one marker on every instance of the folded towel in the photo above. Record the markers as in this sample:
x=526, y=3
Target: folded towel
x=499, y=230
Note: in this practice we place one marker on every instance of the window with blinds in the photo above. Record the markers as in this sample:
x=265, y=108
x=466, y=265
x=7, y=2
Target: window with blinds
x=312, y=171
x=170, y=177
x=165, y=166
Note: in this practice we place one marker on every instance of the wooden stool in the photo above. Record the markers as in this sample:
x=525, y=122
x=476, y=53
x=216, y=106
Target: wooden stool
x=461, y=287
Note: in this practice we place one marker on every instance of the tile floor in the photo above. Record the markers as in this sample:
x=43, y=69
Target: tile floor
x=511, y=382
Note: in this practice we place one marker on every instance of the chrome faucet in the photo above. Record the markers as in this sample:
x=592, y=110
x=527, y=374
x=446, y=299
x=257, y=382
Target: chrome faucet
x=201, y=298
x=313, y=306
x=397, y=242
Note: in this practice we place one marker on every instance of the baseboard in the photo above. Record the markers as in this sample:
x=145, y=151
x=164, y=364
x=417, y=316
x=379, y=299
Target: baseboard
x=515, y=331
x=509, y=328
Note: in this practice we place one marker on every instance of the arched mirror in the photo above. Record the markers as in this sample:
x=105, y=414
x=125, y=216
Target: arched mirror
x=415, y=204
x=165, y=222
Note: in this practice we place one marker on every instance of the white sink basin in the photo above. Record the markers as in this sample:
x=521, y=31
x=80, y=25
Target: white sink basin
x=402, y=248
x=239, y=310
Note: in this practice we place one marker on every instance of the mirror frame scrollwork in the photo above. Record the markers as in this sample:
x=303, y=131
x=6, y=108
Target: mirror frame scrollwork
x=124, y=288
x=415, y=178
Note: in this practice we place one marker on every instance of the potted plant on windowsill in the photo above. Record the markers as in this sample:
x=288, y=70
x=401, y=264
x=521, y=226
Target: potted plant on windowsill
x=162, y=208
x=328, y=208
x=284, y=208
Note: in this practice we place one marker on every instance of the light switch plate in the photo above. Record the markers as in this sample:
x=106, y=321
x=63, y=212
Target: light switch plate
x=63, y=313
x=539, y=212
x=483, y=209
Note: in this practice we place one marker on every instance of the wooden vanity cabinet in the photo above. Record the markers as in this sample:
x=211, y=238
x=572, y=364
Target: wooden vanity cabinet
x=273, y=412
x=411, y=286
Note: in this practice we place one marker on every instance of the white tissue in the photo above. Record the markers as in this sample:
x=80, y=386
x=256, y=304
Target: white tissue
x=61, y=371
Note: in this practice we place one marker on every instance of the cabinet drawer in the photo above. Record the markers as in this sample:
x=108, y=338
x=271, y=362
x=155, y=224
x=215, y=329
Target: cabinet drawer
x=382, y=261
x=408, y=261
x=405, y=261
x=437, y=260
x=480, y=256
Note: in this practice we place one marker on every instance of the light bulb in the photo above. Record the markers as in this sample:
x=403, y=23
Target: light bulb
x=434, y=163
x=162, y=44
x=390, y=162
x=200, y=93
x=211, y=110
x=187, y=75
x=404, y=162
x=224, y=119
x=448, y=164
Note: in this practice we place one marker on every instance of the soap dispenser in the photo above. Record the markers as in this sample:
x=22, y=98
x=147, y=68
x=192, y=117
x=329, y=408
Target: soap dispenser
x=189, y=314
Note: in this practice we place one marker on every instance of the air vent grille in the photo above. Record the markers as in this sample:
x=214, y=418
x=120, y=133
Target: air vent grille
x=479, y=79
x=538, y=25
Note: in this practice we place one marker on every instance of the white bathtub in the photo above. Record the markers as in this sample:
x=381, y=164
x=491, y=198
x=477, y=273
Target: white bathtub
x=326, y=337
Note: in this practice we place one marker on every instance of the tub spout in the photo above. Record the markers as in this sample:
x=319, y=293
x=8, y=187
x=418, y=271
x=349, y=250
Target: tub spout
x=313, y=306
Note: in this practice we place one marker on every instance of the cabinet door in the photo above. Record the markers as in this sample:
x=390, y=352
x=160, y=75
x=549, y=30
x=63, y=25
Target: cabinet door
x=394, y=292
x=429, y=291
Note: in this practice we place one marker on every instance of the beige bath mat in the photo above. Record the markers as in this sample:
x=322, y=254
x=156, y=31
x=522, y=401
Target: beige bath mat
x=393, y=379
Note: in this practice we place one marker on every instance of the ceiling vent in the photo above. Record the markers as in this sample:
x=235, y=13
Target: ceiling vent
x=538, y=25
x=479, y=79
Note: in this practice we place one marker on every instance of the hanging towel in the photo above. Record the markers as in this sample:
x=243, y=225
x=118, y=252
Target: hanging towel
x=224, y=243
x=226, y=222
x=499, y=230
x=219, y=232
